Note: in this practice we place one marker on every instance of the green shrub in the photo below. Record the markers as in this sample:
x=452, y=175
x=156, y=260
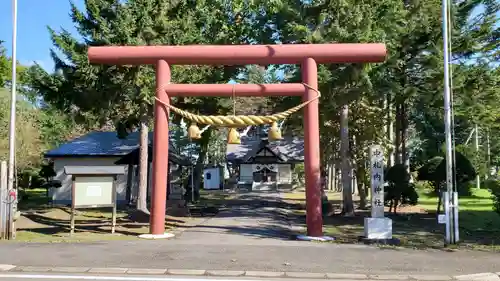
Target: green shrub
x=434, y=171
x=493, y=185
x=399, y=189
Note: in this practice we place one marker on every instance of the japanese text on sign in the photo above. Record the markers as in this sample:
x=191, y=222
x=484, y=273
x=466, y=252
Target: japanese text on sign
x=377, y=180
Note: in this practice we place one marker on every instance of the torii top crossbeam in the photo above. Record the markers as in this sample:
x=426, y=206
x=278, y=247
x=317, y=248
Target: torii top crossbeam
x=238, y=54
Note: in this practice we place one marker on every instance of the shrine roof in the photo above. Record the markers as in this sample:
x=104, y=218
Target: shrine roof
x=289, y=149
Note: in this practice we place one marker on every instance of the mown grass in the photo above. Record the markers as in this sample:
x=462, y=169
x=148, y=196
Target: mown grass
x=417, y=227
x=42, y=222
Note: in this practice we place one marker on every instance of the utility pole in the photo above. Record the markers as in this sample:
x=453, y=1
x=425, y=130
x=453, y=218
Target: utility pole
x=450, y=202
x=12, y=126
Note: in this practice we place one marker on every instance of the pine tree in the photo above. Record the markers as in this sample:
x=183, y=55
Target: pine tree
x=122, y=96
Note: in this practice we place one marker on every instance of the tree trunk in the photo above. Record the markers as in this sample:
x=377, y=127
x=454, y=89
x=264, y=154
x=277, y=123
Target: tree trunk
x=142, y=195
x=331, y=175
x=361, y=176
x=390, y=130
x=354, y=180
x=198, y=171
x=347, y=203
x=404, y=137
x=397, y=144
x=440, y=197
x=130, y=176
x=200, y=163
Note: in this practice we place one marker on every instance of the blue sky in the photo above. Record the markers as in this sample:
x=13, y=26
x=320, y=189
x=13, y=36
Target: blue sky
x=33, y=42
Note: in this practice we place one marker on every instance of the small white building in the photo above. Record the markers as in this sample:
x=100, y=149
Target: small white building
x=266, y=165
x=213, y=178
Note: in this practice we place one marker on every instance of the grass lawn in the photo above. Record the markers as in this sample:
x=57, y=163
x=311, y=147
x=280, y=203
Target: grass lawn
x=41, y=222
x=416, y=226
x=479, y=224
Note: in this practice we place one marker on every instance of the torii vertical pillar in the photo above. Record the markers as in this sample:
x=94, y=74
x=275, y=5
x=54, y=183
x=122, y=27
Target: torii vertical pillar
x=312, y=163
x=160, y=151
x=307, y=55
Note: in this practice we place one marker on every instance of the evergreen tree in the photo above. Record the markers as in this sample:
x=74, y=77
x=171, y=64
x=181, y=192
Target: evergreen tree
x=123, y=95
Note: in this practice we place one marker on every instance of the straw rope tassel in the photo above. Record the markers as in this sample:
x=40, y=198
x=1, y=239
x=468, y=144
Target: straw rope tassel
x=238, y=120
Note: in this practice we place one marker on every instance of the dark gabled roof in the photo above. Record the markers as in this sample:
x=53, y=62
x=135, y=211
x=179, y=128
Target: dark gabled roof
x=133, y=157
x=288, y=149
x=98, y=144
x=264, y=145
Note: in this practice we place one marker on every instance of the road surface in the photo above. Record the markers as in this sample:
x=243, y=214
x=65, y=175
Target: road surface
x=14, y=276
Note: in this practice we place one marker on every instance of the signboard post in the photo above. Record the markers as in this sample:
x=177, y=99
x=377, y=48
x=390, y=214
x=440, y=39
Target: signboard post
x=93, y=187
x=377, y=227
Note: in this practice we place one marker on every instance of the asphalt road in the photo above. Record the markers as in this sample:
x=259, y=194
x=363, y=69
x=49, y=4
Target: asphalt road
x=227, y=253
x=106, y=277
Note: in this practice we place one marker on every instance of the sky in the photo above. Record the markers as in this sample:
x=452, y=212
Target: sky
x=33, y=41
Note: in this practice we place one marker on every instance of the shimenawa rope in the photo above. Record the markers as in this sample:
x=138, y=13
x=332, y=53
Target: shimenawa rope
x=238, y=120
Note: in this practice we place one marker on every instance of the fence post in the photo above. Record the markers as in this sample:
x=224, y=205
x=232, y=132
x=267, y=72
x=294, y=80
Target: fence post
x=4, y=198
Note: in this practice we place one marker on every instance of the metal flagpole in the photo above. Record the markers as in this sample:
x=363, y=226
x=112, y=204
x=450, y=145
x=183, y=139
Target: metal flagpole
x=12, y=124
x=447, y=124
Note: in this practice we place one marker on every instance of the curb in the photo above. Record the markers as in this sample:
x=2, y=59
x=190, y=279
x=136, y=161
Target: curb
x=252, y=274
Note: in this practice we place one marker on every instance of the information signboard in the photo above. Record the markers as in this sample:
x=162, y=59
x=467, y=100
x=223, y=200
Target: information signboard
x=93, y=187
x=94, y=191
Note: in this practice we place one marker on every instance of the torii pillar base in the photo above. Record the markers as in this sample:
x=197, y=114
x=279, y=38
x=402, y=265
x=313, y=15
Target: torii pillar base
x=149, y=236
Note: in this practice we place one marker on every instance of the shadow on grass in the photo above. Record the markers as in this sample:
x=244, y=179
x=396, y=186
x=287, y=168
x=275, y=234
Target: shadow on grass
x=266, y=208
x=56, y=221
x=52, y=226
x=479, y=230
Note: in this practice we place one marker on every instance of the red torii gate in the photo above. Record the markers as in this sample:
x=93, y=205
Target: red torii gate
x=308, y=55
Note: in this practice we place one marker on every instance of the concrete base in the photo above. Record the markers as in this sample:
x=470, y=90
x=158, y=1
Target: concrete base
x=263, y=186
x=378, y=228
x=165, y=235
x=311, y=238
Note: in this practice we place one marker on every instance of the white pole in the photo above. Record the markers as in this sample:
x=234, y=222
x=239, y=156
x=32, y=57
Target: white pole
x=470, y=136
x=447, y=122
x=447, y=215
x=12, y=124
x=456, y=233
x=476, y=144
